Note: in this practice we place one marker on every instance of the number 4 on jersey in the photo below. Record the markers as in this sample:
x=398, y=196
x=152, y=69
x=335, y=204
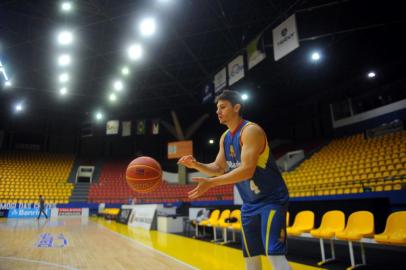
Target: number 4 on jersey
x=254, y=187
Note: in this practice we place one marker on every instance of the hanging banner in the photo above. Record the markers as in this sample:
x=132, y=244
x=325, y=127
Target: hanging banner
x=220, y=81
x=140, y=127
x=126, y=128
x=285, y=38
x=236, y=70
x=112, y=127
x=208, y=93
x=256, y=51
x=155, y=127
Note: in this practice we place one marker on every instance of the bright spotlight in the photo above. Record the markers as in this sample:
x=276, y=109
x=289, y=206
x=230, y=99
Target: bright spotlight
x=125, y=71
x=113, y=97
x=64, y=60
x=118, y=85
x=134, y=52
x=65, y=38
x=63, y=91
x=371, y=74
x=18, y=107
x=316, y=56
x=147, y=27
x=64, y=77
x=8, y=84
x=99, y=115
x=66, y=6
x=211, y=141
x=244, y=96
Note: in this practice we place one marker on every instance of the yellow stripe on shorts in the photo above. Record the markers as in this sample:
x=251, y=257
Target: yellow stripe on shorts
x=268, y=229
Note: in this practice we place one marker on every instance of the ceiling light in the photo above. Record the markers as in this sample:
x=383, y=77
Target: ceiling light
x=65, y=38
x=147, y=27
x=64, y=77
x=125, y=70
x=66, y=6
x=18, y=107
x=8, y=84
x=244, y=96
x=64, y=60
x=316, y=56
x=118, y=85
x=371, y=74
x=134, y=52
x=63, y=91
x=99, y=115
x=112, y=97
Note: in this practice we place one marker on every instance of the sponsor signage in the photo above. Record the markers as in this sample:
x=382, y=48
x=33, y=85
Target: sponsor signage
x=26, y=212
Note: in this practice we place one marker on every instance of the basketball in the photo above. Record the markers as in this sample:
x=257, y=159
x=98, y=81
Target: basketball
x=144, y=174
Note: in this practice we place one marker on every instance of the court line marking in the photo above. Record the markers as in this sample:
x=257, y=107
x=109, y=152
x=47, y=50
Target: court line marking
x=146, y=246
x=38, y=261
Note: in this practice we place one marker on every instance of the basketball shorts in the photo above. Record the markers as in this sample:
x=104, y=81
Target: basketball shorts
x=264, y=231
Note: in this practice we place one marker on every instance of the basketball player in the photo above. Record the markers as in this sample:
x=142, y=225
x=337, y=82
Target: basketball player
x=41, y=207
x=244, y=159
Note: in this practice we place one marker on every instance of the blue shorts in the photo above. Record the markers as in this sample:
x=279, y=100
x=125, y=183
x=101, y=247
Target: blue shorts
x=263, y=230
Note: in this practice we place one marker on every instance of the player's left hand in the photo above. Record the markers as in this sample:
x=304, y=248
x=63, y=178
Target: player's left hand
x=203, y=185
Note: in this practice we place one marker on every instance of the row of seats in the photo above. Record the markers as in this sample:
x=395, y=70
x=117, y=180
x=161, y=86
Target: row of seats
x=360, y=225
x=26, y=175
x=113, y=188
x=347, y=165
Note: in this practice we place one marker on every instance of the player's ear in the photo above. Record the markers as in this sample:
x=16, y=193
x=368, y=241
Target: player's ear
x=237, y=107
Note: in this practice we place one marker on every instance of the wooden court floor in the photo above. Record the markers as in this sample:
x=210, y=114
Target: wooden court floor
x=75, y=243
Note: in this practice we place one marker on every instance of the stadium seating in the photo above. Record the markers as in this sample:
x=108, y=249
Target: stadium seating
x=225, y=214
x=360, y=225
x=331, y=223
x=113, y=188
x=26, y=175
x=395, y=230
x=235, y=214
x=352, y=165
x=304, y=222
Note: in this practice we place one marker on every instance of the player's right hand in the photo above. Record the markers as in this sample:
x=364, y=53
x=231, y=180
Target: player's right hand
x=188, y=161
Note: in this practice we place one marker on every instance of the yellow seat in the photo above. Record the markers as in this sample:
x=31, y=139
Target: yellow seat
x=395, y=229
x=213, y=217
x=331, y=223
x=222, y=220
x=360, y=224
x=219, y=222
x=304, y=222
x=234, y=214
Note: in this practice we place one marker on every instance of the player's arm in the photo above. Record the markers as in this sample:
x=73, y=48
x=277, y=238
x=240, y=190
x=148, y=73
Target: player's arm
x=253, y=141
x=217, y=167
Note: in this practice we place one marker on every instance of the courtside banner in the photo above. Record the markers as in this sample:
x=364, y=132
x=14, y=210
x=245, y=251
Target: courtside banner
x=26, y=212
x=285, y=38
x=69, y=211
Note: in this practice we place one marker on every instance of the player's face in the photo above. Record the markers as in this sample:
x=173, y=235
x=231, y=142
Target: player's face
x=225, y=111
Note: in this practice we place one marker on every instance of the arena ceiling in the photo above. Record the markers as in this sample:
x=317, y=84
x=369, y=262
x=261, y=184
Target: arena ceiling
x=194, y=39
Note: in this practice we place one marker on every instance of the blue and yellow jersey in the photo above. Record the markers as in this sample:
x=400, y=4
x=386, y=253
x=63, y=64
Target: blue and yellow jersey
x=267, y=185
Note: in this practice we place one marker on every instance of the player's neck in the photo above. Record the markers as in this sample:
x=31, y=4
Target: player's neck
x=235, y=123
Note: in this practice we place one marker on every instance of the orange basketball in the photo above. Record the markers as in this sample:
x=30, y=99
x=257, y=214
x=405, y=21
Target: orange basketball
x=144, y=174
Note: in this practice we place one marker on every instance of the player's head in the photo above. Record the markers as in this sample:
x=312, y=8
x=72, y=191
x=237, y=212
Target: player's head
x=229, y=105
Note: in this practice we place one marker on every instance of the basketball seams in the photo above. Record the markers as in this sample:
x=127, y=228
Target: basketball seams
x=144, y=185
x=142, y=165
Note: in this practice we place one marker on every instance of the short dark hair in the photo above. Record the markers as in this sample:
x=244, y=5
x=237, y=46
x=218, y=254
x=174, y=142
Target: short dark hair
x=232, y=96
